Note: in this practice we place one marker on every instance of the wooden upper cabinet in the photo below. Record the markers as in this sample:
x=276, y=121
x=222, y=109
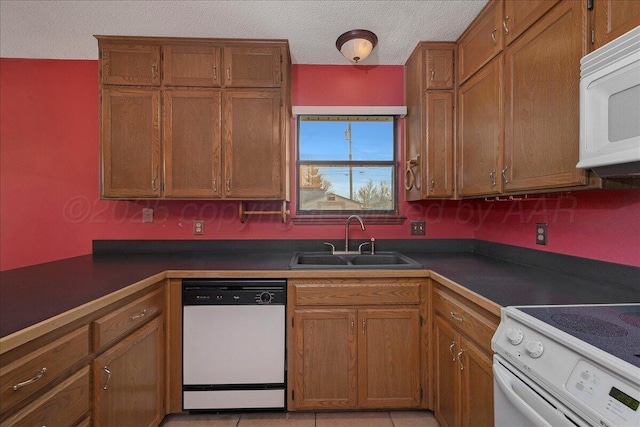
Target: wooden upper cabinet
x=253, y=145
x=130, y=64
x=192, y=143
x=438, y=68
x=480, y=124
x=252, y=66
x=130, y=139
x=438, y=109
x=520, y=15
x=613, y=18
x=191, y=65
x=429, y=123
x=481, y=41
x=542, y=102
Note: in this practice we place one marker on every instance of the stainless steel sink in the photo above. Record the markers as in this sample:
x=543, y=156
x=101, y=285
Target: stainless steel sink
x=324, y=260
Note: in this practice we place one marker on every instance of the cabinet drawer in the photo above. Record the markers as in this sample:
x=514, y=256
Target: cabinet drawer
x=469, y=321
x=62, y=406
x=39, y=368
x=357, y=293
x=126, y=319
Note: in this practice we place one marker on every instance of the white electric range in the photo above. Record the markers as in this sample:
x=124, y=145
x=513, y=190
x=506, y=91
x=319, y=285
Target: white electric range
x=568, y=365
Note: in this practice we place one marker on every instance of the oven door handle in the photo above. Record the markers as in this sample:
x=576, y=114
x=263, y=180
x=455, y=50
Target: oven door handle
x=518, y=393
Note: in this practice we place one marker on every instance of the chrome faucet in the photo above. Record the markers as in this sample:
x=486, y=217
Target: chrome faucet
x=346, y=230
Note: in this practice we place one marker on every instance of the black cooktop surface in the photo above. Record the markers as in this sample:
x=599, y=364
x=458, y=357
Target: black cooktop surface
x=612, y=328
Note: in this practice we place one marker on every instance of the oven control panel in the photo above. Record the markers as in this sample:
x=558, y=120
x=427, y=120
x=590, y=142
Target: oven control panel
x=617, y=401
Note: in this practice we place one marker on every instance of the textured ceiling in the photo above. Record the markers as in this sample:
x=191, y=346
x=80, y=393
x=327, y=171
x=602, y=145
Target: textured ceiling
x=65, y=29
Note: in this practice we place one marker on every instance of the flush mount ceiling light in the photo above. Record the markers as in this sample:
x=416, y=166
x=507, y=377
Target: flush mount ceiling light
x=356, y=45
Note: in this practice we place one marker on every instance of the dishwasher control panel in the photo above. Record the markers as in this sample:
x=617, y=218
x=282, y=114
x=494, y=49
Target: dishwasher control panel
x=233, y=292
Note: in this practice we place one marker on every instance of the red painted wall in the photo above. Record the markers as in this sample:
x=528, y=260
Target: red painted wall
x=50, y=208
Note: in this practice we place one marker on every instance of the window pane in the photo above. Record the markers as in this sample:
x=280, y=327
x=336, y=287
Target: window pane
x=346, y=138
x=325, y=187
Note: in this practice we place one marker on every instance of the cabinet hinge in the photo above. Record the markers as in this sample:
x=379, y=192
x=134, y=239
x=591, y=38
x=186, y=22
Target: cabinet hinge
x=421, y=393
x=589, y=4
x=293, y=395
x=292, y=322
x=593, y=36
x=420, y=320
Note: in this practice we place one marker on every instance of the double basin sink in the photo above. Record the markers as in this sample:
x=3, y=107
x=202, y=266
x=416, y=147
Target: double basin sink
x=379, y=261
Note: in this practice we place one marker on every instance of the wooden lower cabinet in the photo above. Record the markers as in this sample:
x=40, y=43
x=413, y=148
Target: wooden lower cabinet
x=62, y=406
x=128, y=386
x=356, y=358
x=325, y=359
x=464, y=382
x=388, y=358
x=462, y=360
x=354, y=343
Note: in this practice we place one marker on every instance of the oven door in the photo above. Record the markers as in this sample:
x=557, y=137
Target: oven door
x=518, y=401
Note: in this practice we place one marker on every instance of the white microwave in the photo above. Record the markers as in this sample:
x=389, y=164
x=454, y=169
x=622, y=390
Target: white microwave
x=610, y=108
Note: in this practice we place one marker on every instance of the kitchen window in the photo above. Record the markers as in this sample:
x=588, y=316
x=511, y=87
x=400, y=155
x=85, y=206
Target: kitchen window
x=346, y=165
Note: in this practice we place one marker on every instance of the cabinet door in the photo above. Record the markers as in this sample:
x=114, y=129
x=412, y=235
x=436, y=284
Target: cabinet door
x=130, y=143
x=613, y=18
x=480, y=123
x=481, y=41
x=447, y=374
x=520, y=15
x=192, y=143
x=325, y=373
x=542, y=102
x=128, y=385
x=254, y=150
x=252, y=66
x=438, y=69
x=389, y=358
x=197, y=65
x=477, y=386
x=438, y=108
x=130, y=64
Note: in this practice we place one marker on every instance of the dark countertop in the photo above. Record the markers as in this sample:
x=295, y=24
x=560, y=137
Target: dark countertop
x=503, y=274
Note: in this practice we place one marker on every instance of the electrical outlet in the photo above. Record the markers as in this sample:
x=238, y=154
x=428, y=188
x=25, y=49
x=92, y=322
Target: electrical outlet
x=147, y=215
x=541, y=233
x=417, y=228
x=198, y=227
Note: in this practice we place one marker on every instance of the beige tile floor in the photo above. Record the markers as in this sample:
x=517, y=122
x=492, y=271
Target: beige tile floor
x=300, y=419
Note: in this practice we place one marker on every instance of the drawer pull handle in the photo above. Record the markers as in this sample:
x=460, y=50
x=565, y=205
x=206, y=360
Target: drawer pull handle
x=454, y=316
x=140, y=315
x=228, y=73
x=215, y=73
x=433, y=74
x=492, y=177
x=108, y=371
x=364, y=326
x=30, y=380
x=352, y=326
x=453, y=344
x=493, y=37
x=504, y=174
x=504, y=24
x=460, y=361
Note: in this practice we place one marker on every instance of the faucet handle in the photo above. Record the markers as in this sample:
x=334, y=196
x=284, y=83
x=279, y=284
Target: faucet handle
x=373, y=246
x=361, y=245
x=333, y=248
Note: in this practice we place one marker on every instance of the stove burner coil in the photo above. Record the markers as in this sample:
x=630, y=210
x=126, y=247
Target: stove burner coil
x=589, y=325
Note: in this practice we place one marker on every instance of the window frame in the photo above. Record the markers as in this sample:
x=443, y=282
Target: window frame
x=335, y=214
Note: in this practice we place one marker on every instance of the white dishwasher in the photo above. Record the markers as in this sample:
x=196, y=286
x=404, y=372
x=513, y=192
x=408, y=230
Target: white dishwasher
x=233, y=344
